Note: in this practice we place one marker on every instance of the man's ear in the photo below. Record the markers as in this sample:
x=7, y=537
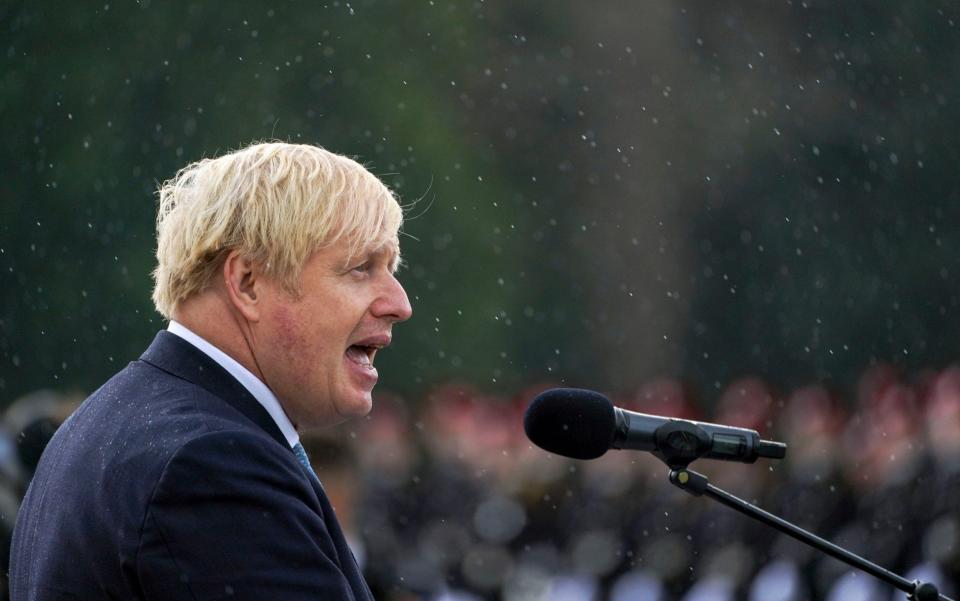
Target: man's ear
x=244, y=283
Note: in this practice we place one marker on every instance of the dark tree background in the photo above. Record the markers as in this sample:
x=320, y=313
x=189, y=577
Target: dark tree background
x=599, y=194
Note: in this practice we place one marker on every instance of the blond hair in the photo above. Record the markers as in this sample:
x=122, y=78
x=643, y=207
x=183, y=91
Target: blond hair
x=276, y=204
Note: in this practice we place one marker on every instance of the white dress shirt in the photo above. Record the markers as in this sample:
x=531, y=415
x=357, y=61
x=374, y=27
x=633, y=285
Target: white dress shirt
x=252, y=383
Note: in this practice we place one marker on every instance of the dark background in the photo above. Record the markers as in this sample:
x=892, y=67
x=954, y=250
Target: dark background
x=600, y=194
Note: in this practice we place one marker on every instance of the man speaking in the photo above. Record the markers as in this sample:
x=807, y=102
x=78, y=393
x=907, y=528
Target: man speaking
x=183, y=477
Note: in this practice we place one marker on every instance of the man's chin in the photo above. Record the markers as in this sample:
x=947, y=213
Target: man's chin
x=344, y=408
x=358, y=404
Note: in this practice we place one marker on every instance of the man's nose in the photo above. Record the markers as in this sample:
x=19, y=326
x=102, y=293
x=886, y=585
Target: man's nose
x=393, y=304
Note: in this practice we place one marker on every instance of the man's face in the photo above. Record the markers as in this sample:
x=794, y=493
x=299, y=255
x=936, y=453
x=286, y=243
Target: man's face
x=316, y=352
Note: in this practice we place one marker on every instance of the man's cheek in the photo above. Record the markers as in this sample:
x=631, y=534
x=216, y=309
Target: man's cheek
x=289, y=334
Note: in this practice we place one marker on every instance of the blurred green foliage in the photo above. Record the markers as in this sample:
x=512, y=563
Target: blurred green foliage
x=599, y=194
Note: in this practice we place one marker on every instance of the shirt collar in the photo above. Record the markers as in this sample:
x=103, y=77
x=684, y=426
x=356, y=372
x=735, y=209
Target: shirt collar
x=252, y=383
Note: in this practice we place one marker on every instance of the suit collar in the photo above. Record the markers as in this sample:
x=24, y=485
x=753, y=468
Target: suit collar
x=178, y=357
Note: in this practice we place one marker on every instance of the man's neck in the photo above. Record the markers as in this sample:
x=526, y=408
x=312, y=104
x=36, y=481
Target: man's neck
x=207, y=316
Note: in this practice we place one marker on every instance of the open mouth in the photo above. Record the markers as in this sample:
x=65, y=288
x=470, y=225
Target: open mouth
x=362, y=354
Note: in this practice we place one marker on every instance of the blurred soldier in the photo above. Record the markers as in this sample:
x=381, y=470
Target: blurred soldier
x=183, y=476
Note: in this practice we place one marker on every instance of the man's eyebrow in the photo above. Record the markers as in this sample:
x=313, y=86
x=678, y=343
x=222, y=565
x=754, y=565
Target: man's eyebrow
x=390, y=252
x=396, y=262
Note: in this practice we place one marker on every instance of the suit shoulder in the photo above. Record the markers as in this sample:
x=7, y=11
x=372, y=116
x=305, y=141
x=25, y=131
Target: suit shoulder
x=148, y=403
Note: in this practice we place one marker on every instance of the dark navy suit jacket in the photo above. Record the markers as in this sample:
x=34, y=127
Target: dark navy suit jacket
x=172, y=482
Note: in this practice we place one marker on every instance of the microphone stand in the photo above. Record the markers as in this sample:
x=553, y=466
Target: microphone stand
x=697, y=484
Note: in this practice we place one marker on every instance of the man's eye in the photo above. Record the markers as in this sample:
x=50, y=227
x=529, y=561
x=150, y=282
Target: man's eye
x=362, y=268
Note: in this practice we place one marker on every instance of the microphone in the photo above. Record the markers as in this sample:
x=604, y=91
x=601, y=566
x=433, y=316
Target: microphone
x=583, y=424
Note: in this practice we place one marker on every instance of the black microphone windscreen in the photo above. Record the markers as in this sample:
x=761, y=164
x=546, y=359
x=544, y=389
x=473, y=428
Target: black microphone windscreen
x=571, y=422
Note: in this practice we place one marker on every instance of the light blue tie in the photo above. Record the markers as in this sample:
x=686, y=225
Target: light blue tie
x=301, y=454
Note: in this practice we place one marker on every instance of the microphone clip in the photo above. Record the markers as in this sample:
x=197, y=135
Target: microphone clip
x=679, y=442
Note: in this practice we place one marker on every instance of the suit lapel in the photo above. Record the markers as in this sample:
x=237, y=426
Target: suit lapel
x=178, y=357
